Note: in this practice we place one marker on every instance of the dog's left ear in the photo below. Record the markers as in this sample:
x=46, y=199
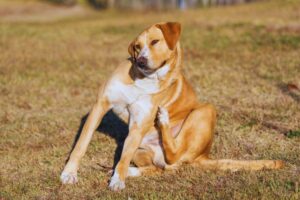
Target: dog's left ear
x=171, y=32
x=131, y=49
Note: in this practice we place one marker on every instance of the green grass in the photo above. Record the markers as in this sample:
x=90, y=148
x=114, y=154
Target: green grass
x=239, y=58
x=293, y=133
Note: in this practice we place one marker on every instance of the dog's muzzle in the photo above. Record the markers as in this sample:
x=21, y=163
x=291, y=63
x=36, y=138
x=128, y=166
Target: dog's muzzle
x=142, y=63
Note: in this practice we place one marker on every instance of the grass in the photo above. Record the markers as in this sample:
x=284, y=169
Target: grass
x=239, y=58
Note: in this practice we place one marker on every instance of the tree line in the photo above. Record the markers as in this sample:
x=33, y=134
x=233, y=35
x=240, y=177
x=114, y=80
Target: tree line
x=151, y=4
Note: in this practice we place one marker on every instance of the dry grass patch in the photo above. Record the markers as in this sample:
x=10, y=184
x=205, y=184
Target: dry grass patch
x=50, y=73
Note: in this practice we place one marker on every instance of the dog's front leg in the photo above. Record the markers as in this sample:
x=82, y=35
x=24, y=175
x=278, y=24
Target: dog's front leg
x=132, y=142
x=69, y=174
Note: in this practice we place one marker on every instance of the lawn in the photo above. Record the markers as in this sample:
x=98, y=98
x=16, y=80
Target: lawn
x=243, y=59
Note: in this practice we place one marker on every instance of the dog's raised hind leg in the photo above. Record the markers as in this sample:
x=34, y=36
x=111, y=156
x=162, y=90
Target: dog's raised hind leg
x=194, y=137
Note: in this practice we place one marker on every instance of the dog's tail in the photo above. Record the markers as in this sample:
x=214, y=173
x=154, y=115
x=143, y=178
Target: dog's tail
x=235, y=165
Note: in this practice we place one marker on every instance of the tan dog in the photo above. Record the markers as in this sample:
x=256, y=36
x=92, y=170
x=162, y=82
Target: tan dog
x=151, y=86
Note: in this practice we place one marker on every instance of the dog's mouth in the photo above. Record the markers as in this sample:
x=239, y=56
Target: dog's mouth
x=145, y=70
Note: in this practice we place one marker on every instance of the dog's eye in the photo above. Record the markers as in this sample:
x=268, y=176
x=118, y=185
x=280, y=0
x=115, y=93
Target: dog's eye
x=137, y=46
x=153, y=42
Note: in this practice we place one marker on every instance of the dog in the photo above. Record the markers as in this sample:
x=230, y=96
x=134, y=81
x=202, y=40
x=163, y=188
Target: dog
x=168, y=126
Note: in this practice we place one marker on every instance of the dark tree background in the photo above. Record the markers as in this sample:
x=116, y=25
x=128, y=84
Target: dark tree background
x=152, y=4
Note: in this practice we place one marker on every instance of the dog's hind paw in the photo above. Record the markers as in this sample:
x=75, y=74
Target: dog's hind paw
x=163, y=116
x=68, y=178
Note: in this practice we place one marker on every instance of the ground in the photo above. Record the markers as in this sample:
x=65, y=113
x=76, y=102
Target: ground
x=243, y=59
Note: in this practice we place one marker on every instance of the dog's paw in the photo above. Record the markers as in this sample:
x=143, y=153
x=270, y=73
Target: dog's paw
x=133, y=172
x=116, y=183
x=68, y=178
x=162, y=116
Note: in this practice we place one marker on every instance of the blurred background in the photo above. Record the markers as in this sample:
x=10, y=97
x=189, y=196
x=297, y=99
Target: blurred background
x=26, y=9
x=150, y=4
x=136, y=4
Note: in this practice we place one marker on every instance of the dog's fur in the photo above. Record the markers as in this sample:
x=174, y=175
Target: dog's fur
x=167, y=125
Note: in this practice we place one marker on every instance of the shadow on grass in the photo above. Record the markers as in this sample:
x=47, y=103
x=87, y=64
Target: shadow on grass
x=112, y=126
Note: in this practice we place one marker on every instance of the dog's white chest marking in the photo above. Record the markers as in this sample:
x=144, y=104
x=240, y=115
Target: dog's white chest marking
x=140, y=109
x=135, y=99
x=131, y=99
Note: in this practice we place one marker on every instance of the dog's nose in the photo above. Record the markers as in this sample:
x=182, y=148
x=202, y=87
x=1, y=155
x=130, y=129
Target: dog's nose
x=142, y=62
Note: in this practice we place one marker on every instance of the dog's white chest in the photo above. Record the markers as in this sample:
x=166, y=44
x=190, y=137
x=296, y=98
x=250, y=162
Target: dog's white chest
x=133, y=100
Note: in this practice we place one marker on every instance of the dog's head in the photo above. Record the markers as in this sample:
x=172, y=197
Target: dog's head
x=155, y=46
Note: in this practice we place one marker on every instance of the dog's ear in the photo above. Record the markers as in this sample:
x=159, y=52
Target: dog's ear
x=131, y=49
x=171, y=32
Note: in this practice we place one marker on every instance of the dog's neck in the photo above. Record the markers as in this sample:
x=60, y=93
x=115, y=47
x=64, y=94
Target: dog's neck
x=161, y=78
x=152, y=84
